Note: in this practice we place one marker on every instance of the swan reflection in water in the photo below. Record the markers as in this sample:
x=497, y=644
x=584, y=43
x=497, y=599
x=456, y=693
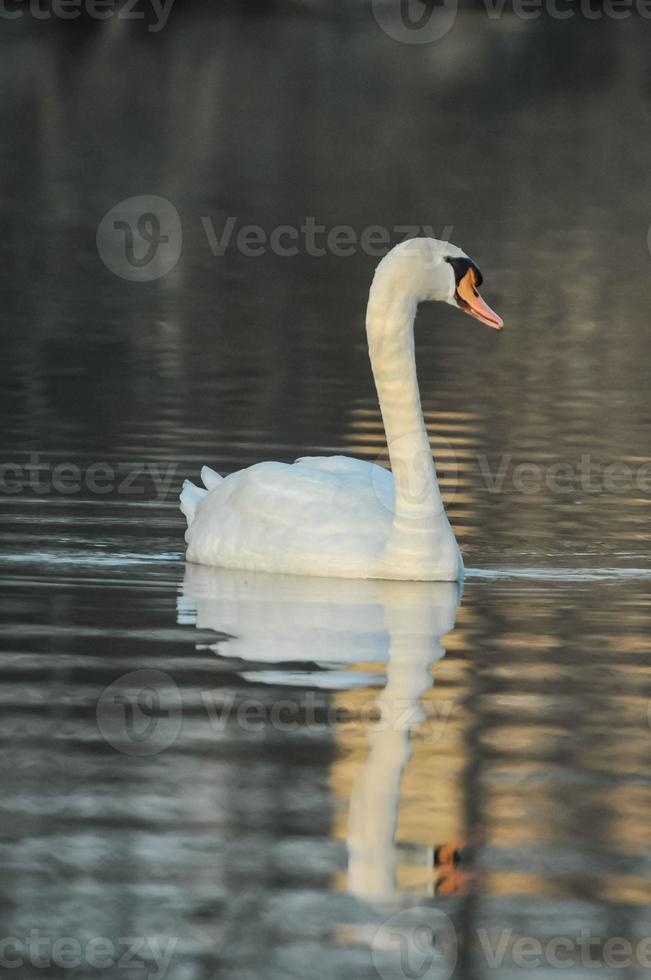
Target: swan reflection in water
x=312, y=632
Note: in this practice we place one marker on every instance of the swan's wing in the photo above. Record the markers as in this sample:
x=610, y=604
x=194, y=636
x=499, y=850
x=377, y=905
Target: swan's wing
x=298, y=517
x=338, y=464
x=304, y=495
x=359, y=471
x=315, y=490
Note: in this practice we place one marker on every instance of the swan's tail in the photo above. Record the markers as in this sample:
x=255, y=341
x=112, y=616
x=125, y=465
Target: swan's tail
x=209, y=478
x=192, y=496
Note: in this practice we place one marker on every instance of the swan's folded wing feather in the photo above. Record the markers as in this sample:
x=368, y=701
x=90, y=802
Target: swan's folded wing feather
x=304, y=496
x=277, y=514
x=357, y=472
x=336, y=464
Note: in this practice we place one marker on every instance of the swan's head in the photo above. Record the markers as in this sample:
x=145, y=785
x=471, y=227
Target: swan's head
x=432, y=270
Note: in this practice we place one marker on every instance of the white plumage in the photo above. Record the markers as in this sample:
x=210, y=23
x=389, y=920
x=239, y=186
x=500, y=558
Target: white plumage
x=343, y=517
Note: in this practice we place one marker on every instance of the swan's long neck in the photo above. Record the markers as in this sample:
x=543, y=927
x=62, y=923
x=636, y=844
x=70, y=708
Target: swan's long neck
x=390, y=331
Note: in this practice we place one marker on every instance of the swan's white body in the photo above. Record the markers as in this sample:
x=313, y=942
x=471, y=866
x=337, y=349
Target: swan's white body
x=329, y=516
x=336, y=516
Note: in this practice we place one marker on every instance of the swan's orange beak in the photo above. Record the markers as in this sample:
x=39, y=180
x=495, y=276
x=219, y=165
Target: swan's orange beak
x=469, y=300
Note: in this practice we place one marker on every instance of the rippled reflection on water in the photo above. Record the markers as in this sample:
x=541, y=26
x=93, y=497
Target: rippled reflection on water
x=283, y=823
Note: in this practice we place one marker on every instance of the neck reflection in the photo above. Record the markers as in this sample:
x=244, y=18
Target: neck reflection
x=316, y=632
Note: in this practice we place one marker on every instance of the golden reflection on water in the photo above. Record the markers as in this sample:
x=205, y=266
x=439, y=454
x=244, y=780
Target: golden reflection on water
x=426, y=809
x=531, y=746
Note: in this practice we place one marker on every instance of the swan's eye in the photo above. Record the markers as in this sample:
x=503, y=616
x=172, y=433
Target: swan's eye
x=461, y=266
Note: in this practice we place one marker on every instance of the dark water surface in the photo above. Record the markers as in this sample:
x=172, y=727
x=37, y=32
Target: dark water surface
x=262, y=805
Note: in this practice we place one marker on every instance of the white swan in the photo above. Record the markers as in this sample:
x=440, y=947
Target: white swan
x=336, y=516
